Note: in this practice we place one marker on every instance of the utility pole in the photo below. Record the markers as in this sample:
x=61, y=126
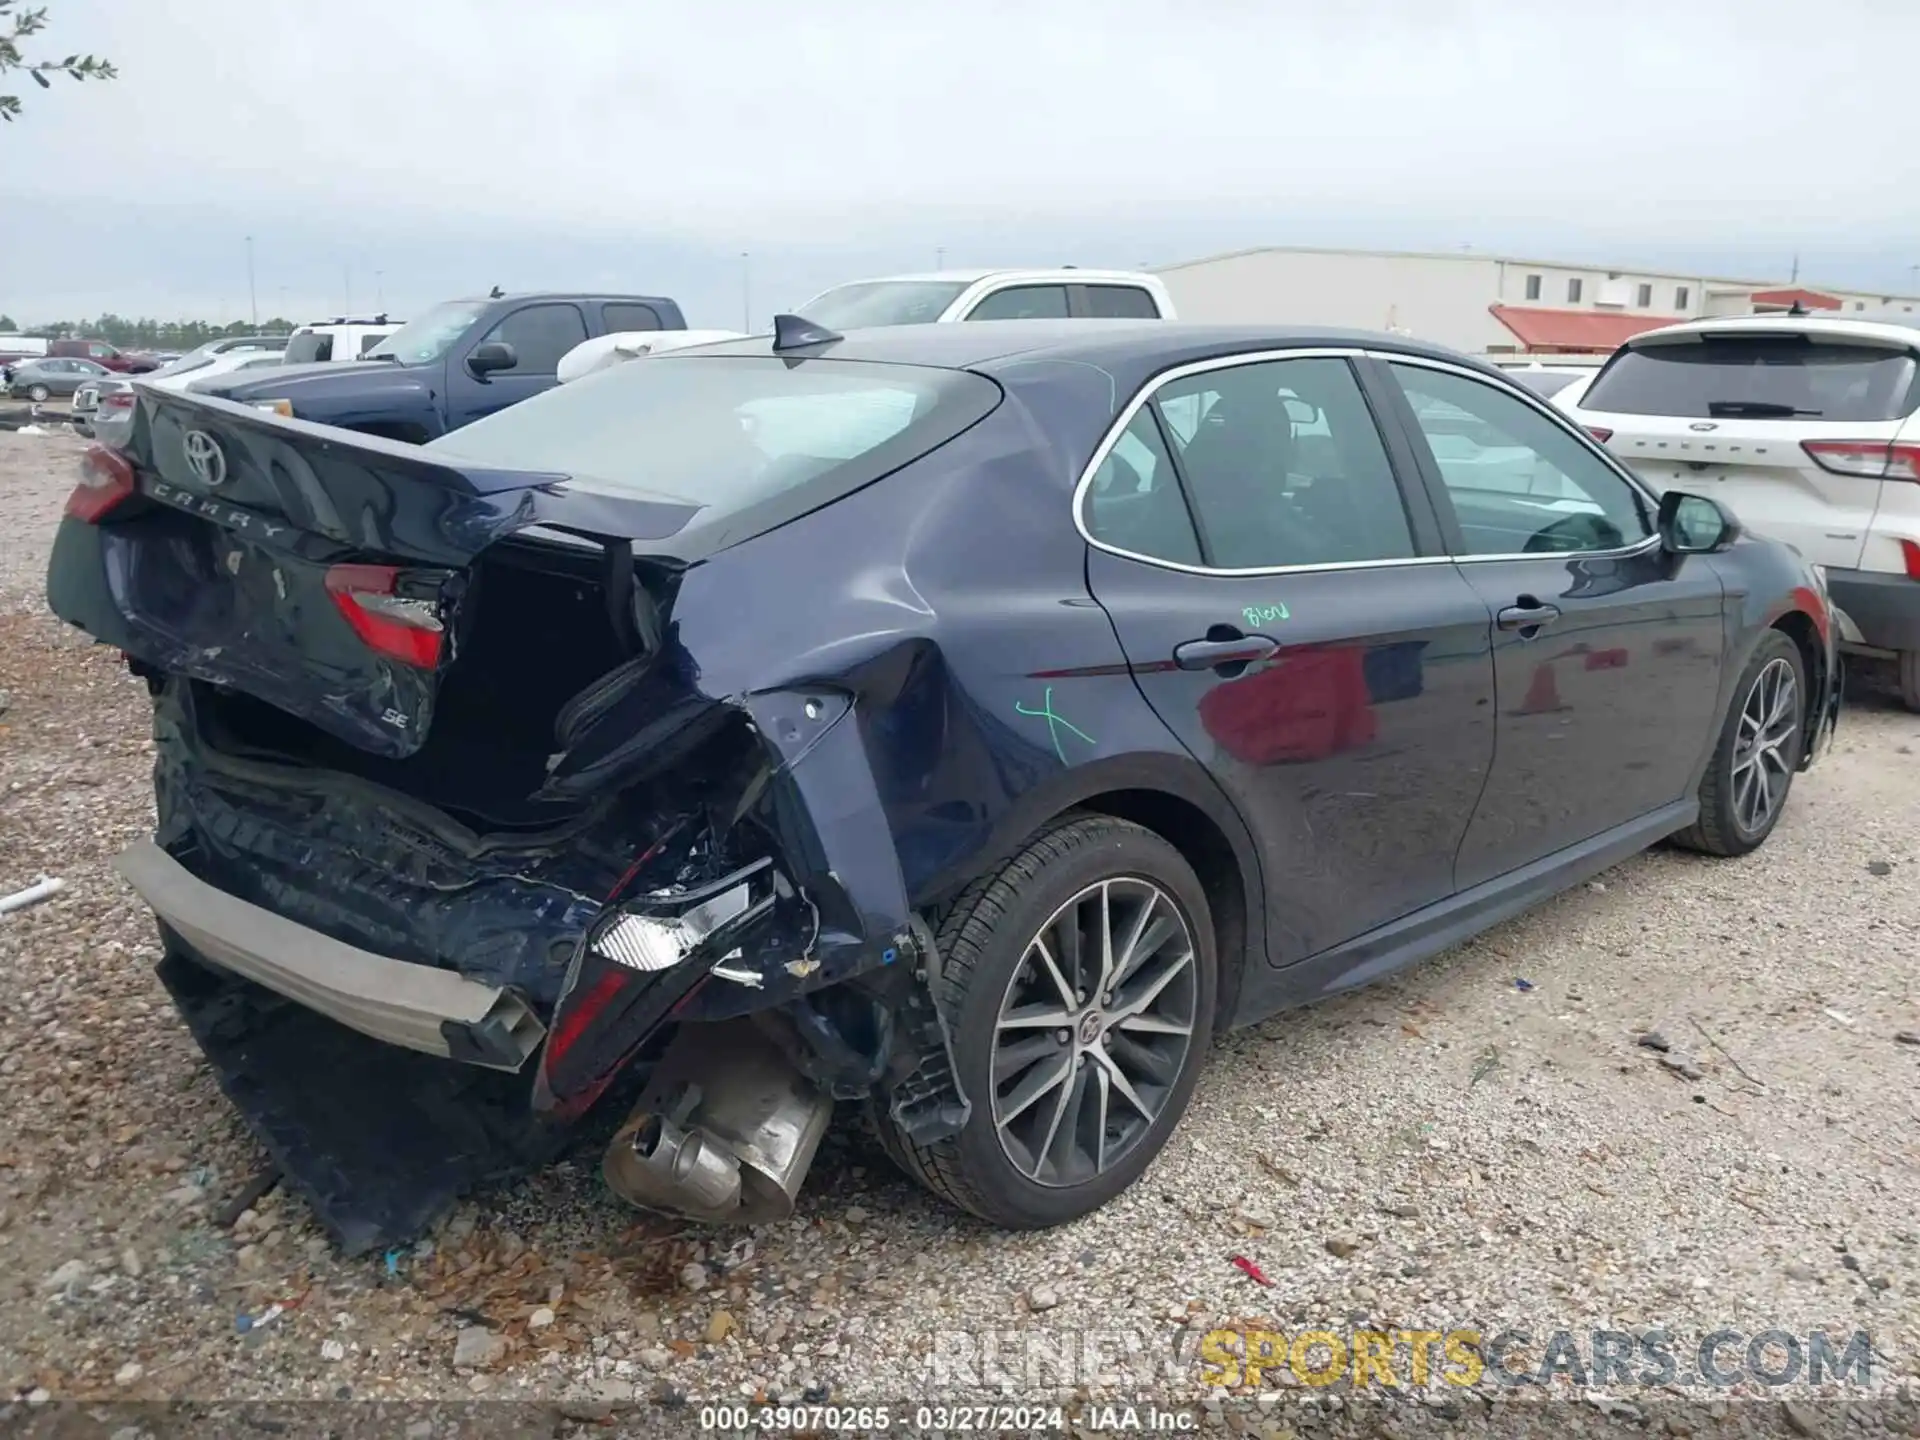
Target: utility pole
x=1794, y=278
x=940, y=257
x=253, y=295
x=379, y=292
x=346, y=307
x=746, y=292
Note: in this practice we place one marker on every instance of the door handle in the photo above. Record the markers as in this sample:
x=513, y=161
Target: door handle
x=1530, y=614
x=1206, y=654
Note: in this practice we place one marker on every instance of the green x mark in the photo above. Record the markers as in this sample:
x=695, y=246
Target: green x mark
x=1055, y=724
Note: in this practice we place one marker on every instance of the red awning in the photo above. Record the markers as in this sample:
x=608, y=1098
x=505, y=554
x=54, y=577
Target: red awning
x=1584, y=331
x=1805, y=299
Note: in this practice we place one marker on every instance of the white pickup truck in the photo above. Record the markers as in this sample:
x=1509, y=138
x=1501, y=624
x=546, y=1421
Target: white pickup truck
x=1049, y=294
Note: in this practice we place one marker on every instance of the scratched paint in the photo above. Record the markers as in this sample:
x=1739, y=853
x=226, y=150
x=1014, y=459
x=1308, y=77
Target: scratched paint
x=1055, y=724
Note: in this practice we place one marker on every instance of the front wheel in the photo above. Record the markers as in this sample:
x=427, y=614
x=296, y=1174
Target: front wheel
x=1079, y=984
x=1746, y=784
x=39, y=394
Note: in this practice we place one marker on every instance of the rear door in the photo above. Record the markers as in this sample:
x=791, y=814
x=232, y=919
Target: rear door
x=1787, y=428
x=1607, y=651
x=540, y=334
x=1288, y=612
x=1022, y=302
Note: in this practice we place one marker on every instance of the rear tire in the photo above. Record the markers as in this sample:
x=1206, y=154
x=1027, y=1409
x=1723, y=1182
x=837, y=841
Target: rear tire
x=39, y=394
x=1035, y=1154
x=1909, y=671
x=1760, y=743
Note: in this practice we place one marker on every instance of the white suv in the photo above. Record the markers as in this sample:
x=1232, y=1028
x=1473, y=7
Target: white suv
x=338, y=340
x=1805, y=427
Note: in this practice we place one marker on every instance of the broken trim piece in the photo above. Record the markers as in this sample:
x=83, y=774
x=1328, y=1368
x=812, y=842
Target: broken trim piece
x=397, y=1001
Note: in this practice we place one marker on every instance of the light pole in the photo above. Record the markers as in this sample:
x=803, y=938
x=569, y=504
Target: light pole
x=347, y=305
x=939, y=257
x=379, y=291
x=253, y=295
x=746, y=292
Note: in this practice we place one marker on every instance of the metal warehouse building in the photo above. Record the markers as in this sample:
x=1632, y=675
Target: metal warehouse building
x=1499, y=304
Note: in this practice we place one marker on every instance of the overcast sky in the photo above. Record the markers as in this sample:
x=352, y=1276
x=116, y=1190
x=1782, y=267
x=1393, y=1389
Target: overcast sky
x=406, y=150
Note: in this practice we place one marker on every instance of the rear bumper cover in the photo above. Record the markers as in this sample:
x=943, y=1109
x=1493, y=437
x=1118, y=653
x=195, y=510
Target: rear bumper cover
x=1884, y=606
x=417, y=1007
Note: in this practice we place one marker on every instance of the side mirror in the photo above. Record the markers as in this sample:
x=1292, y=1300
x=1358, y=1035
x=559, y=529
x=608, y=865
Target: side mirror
x=490, y=356
x=1695, y=525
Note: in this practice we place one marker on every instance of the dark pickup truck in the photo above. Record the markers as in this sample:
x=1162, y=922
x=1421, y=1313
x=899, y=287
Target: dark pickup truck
x=456, y=362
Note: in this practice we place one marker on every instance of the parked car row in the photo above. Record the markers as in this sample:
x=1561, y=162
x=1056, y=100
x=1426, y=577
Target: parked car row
x=964, y=719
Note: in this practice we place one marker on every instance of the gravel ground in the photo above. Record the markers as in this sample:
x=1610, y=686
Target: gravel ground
x=1448, y=1149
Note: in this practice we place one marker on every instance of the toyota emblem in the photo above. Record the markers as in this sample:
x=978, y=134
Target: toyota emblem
x=205, y=458
x=1703, y=425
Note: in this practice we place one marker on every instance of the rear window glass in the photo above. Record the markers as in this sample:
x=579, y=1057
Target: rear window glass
x=731, y=432
x=309, y=347
x=1757, y=377
x=882, y=302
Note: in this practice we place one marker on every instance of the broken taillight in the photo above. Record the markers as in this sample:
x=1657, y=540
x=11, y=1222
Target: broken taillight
x=106, y=479
x=400, y=627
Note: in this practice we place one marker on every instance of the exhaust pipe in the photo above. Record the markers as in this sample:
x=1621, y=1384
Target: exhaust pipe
x=724, y=1134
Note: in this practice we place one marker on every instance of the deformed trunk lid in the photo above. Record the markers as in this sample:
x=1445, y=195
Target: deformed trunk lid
x=223, y=574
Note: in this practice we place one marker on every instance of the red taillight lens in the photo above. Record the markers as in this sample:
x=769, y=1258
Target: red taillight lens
x=1868, y=459
x=398, y=626
x=106, y=478
x=1600, y=433
x=118, y=400
x=1910, y=552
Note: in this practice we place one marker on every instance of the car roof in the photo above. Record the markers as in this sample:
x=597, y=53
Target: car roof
x=983, y=344
x=596, y=296
x=1882, y=325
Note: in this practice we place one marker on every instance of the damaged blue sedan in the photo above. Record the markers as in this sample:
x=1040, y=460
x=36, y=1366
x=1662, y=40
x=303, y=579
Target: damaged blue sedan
x=966, y=722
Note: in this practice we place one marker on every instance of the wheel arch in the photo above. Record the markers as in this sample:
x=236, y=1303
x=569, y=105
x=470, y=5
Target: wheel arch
x=1176, y=799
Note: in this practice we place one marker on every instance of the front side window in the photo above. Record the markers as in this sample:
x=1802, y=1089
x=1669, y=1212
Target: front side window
x=539, y=335
x=1283, y=466
x=1520, y=482
x=1023, y=302
x=1134, y=503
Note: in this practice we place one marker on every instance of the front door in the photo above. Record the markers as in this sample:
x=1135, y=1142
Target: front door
x=1287, y=611
x=539, y=334
x=1607, y=650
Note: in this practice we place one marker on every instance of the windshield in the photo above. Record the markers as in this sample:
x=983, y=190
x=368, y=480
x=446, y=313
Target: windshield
x=1757, y=377
x=728, y=432
x=205, y=355
x=883, y=302
x=426, y=339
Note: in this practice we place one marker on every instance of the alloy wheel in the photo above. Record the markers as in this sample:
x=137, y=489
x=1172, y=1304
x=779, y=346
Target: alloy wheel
x=1762, y=763
x=1094, y=1031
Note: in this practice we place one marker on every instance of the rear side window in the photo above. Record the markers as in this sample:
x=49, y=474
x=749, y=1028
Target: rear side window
x=309, y=347
x=1120, y=302
x=732, y=433
x=1761, y=377
x=1134, y=503
x=621, y=318
x=1023, y=302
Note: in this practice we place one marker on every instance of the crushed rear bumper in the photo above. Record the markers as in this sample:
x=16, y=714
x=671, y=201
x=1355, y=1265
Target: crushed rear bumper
x=417, y=1007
